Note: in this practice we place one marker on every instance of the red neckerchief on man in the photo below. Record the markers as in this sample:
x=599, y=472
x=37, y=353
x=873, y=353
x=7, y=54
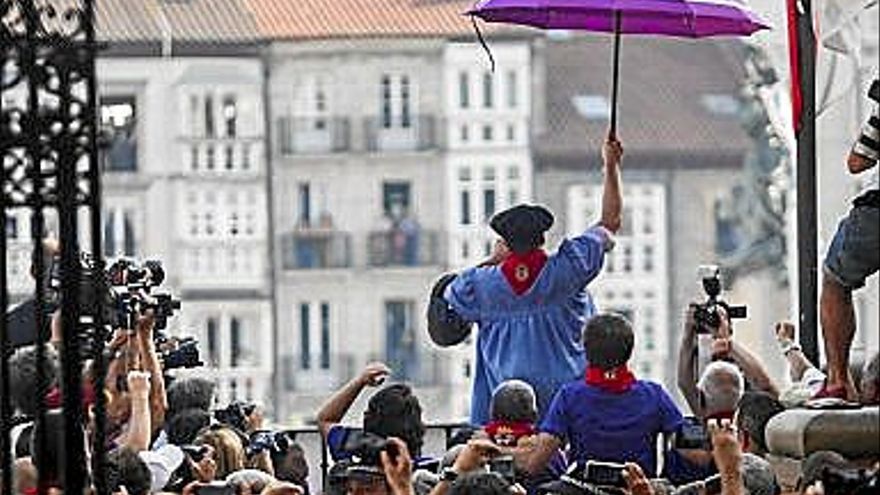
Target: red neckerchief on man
x=508, y=433
x=521, y=270
x=616, y=380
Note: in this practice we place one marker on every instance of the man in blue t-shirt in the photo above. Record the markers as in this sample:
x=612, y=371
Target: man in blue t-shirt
x=608, y=415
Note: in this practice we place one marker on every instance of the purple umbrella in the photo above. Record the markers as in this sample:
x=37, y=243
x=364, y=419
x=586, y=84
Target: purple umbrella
x=683, y=18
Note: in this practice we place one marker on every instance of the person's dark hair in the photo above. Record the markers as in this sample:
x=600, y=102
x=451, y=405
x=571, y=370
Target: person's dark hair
x=608, y=340
x=395, y=412
x=184, y=426
x=291, y=465
x=514, y=400
x=753, y=412
x=190, y=393
x=125, y=468
x=816, y=463
x=23, y=377
x=48, y=461
x=480, y=483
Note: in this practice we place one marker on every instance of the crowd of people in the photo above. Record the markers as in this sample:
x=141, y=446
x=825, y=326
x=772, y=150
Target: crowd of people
x=556, y=408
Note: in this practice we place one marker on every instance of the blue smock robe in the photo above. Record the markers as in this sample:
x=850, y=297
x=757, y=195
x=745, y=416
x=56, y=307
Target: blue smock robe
x=535, y=336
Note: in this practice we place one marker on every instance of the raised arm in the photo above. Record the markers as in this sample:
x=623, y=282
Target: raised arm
x=687, y=363
x=612, y=199
x=151, y=364
x=334, y=409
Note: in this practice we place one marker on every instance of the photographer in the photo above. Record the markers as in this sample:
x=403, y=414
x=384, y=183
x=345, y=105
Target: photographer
x=723, y=347
x=853, y=256
x=392, y=412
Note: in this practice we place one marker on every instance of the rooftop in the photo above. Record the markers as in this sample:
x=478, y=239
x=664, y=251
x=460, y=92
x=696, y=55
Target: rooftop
x=678, y=98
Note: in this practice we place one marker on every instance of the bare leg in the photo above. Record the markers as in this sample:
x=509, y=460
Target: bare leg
x=838, y=328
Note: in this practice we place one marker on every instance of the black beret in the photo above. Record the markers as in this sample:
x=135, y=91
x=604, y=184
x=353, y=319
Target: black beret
x=522, y=227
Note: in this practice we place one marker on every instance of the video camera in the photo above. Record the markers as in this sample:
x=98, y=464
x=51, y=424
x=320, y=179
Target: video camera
x=275, y=442
x=366, y=448
x=236, y=414
x=850, y=481
x=706, y=315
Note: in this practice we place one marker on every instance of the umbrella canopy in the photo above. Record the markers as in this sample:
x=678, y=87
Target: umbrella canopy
x=686, y=18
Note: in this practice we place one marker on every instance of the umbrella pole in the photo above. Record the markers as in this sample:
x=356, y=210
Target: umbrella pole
x=615, y=75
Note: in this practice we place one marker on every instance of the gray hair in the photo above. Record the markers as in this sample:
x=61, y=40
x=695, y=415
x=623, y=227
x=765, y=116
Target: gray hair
x=758, y=476
x=254, y=478
x=514, y=400
x=722, y=385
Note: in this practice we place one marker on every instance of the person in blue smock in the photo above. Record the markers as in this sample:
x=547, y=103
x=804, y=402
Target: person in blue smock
x=529, y=306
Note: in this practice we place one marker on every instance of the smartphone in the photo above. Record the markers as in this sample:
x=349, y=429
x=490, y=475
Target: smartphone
x=605, y=474
x=214, y=488
x=504, y=467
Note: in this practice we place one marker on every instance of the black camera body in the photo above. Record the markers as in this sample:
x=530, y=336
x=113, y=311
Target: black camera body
x=706, y=315
x=116, y=297
x=850, y=481
x=366, y=448
x=235, y=414
x=505, y=467
x=692, y=435
x=276, y=442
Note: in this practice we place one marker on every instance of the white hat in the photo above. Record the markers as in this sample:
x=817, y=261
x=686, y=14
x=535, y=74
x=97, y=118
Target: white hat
x=162, y=463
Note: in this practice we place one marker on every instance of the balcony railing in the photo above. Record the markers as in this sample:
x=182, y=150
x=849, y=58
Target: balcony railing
x=403, y=246
x=418, y=133
x=218, y=155
x=305, y=135
x=316, y=248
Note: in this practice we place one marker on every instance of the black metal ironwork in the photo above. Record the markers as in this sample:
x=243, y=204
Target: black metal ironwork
x=50, y=169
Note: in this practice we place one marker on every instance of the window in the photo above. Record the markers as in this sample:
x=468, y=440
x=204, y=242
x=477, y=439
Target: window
x=395, y=199
x=194, y=157
x=465, y=218
x=304, y=193
x=465, y=132
x=128, y=234
x=11, y=227
x=118, y=124
x=511, y=89
x=464, y=174
x=230, y=113
x=245, y=156
x=511, y=132
x=209, y=157
x=213, y=352
x=405, y=110
x=488, y=203
x=386, y=101
x=194, y=115
x=626, y=225
x=400, y=339
x=396, y=101
x=230, y=155
x=464, y=90
x=119, y=236
x=488, y=90
x=110, y=233
x=304, y=340
x=235, y=341
x=325, y=336
x=320, y=95
x=487, y=132
x=648, y=260
x=209, y=116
